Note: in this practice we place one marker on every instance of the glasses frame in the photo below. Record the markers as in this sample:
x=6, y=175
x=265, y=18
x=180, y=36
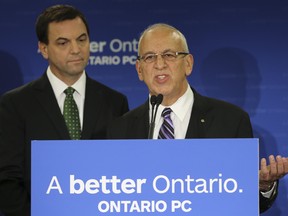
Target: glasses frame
x=161, y=54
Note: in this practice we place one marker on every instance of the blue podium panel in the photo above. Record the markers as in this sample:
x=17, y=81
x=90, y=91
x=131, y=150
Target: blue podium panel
x=145, y=177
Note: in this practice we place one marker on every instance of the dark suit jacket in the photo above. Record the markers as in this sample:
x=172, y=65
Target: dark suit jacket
x=221, y=120
x=31, y=112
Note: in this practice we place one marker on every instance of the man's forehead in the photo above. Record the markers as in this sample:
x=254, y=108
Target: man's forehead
x=169, y=40
x=67, y=29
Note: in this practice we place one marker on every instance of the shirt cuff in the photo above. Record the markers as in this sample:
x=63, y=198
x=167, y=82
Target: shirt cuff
x=268, y=194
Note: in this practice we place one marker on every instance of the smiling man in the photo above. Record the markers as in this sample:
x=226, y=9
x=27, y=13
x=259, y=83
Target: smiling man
x=43, y=109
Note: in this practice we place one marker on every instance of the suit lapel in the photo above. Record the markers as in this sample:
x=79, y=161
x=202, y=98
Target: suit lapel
x=93, y=105
x=45, y=95
x=198, y=120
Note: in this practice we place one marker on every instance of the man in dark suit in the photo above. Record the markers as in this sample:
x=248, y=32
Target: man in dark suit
x=34, y=111
x=164, y=62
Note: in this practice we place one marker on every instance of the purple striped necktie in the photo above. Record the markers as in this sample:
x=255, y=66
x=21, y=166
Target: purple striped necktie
x=167, y=128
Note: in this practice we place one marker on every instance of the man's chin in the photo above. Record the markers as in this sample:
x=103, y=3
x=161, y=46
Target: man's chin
x=77, y=69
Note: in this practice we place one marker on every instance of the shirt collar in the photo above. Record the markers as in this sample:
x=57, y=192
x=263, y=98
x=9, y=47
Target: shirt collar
x=180, y=107
x=59, y=86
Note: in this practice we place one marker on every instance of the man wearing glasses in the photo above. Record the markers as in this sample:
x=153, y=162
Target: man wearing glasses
x=164, y=62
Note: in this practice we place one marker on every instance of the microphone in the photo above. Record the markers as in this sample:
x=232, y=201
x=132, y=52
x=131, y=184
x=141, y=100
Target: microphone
x=154, y=100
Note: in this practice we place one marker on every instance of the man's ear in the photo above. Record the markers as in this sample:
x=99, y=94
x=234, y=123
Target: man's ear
x=189, y=64
x=43, y=49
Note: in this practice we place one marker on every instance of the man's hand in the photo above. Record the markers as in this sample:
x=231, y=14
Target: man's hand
x=268, y=174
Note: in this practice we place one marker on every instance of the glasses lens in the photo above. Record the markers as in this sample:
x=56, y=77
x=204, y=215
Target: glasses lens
x=169, y=56
x=150, y=58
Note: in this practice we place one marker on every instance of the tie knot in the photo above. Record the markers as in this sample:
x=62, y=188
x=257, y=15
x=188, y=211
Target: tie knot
x=69, y=91
x=166, y=112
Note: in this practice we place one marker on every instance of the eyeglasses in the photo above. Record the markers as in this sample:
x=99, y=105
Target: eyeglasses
x=166, y=56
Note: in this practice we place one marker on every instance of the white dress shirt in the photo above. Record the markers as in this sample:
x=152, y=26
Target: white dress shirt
x=180, y=115
x=59, y=86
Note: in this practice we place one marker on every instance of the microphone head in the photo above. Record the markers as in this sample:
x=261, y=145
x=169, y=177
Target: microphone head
x=159, y=99
x=153, y=100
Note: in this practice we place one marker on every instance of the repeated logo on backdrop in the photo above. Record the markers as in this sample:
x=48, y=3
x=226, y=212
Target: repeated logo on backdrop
x=120, y=52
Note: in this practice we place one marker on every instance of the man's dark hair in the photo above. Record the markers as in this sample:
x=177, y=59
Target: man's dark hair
x=56, y=13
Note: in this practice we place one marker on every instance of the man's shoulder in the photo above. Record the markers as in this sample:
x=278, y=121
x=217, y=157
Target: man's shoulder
x=130, y=125
x=138, y=114
x=216, y=104
x=23, y=90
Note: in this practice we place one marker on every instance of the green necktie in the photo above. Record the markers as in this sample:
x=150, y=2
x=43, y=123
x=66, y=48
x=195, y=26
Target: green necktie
x=71, y=115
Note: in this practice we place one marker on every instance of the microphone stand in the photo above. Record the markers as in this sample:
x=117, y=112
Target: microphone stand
x=152, y=125
x=155, y=101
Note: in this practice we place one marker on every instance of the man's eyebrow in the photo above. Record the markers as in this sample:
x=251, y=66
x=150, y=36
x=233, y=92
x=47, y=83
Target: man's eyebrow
x=62, y=38
x=151, y=52
x=84, y=34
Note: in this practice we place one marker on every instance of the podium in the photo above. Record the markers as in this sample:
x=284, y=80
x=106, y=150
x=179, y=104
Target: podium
x=145, y=177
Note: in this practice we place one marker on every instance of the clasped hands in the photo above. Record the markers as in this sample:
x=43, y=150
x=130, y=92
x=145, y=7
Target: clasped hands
x=268, y=174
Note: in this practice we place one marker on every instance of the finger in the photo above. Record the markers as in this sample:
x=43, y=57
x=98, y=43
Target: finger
x=273, y=167
x=264, y=172
x=280, y=166
x=285, y=164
